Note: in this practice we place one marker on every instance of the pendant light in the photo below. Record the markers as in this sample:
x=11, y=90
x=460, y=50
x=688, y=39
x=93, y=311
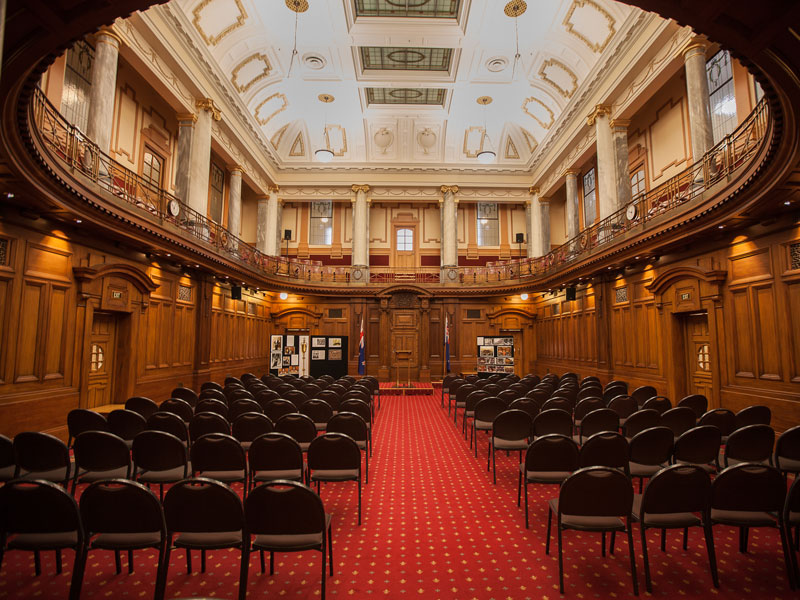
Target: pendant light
x=297, y=7
x=486, y=155
x=325, y=155
x=514, y=9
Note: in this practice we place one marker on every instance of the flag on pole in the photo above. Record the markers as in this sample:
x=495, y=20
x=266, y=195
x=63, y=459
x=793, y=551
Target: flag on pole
x=447, y=343
x=362, y=362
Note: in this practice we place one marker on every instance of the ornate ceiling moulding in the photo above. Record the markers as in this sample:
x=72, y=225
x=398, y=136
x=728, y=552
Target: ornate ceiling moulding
x=581, y=15
x=511, y=150
x=545, y=123
x=275, y=140
x=298, y=147
x=559, y=76
x=298, y=6
x=599, y=111
x=249, y=68
x=529, y=139
x=208, y=104
x=515, y=8
x=225, y=16
x=278, y=97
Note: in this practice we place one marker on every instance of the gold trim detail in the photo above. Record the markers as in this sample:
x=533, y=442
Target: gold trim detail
x=453, y=189
x=329, y=128
x=534, y=117
x=265, y=73
x=469, y=153
x=568, y=172
x=274, y=188
x=298, y=6
x=326, y=98
x=298, y=148
x=184, y=117
x=599, y=110
x=554, y=62
x=533, y=191
x=515, y=8
x=359, y=188
x=237, y=168
x=215, y=39
x=620, y=124
x=275, y=140
x=570, y=27
x=208, y=104
x=109, y=33
x=511, y=149
x=262, y=121
x=529, y=139
x=484, y=100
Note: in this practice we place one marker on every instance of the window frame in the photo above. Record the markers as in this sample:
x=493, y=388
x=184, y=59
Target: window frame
x=726, y=90
x=584, y=196
x=483, y=220
x=212, y=189
x=326, y=226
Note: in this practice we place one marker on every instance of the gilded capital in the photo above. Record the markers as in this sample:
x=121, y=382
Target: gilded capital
x=208, y=104
x=237, y=169
x=620, y=124
x=274, y=188
x=599, y=111
x=533, y=191
x=695, y=46
x=186, y=118
x=449, y=188
x=359, y=188
x=108, y=33
x=573, y=172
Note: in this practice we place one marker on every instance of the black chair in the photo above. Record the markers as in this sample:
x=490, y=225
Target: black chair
x=559, y=403
x=605, y=449
x=203, y=514
x=242, y=406
x=511, y=430
x=179, y=407
x=207, y=422
x=213, y=394
x=593, y=499
x=36, y=516
x=159, y=457
x=353, y=425
x=602, y=419
x=721, y=418
x=186, y=394
x=698, y=446
x=41, y=456
x=751, y=495
x=584, y=407
x=624, y=406
x=286, y=516
x=127, y=424
x=275, y=409
x=212, y=405
x=363, y=411
x=7, y=464
x=169, y=423
x=757, y=414
x=122, y=515
x=472, y=400
x=550, y=459
x=485, y=412
x=642, y=419
x=220, y=457
x=274, y=456
x=299, y=426
x=643, y=393
x=83, y=419
x=787, y=451
x=100, y=455
x=210, y=385
x=751, y=444
x=697, y=402
x=249, y=426
x=319, y=411
x=679, y=419
x=660, y=404
x=553, y=420
x=673, y=499
x=143, y=406
x=791, y=518
x=334, y=457
x=527, y=404
x=649, y=451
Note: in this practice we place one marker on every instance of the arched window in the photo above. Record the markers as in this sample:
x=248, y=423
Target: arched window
x=405, y=240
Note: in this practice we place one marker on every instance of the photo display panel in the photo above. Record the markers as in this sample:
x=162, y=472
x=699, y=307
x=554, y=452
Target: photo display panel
x=313, y=355
x=495, y=354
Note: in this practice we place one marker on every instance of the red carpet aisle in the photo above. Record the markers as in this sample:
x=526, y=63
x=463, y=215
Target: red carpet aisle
x=435, y=527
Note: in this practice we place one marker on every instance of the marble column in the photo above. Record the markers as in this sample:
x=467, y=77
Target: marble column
x=571, y=207
x=694, y=59
x=235, y=201
x=619, y=132
x=200, y=164
x=544, y=220
x=104, y=85
x=424, y=340
x=2, y=31
x=528, y=229
x=183, y=160
x=532, y=221
x=360, y=238
x=606, y=163
x=385, y=370
x=263, y=226
x=449, y=248
x=278, y=223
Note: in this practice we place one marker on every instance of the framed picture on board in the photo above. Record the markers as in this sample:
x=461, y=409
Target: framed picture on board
x=335, y=354
x=318, y=342
x=504, y=351
x=318, y=354
x=487, y=351
x=334, y=342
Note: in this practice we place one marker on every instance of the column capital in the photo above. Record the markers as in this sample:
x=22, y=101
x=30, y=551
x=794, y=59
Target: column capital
x=449, y=188
x=185, y=119
x=693, y=47
x=262, y=198
x=573, y=172
x=274, y=188
x=237, y=169
x=533, y=190
x=599, y=111
x=208, y=104
x=359, y=188
x=544, y=200
x=105, y=32
x=620, y=124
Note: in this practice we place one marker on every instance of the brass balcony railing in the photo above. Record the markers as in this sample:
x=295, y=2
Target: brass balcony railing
x=67, y=144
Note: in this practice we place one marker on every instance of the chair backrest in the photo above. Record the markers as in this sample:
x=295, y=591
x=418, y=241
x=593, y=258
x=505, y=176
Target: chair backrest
x=143, y=406
x=748, y=487
x=350, y=424
x=82, y=419
x=698, y=445
x=101, y=451
x=299, y=426
x=230, y=379
x=587, y=405
x=529, y=405
x=721, y=418
x=616, y=383
x=463, y=391
x=275, y=452
x=121, y=506
x=213, y=394
x=697, y=402
x=202, y=505
x=126, y=423
x=210, y=385
x=296, y=397
x=179, y=407
x=236, y=393
x=208, y=422
x=6, y=452
x=552, y=452
x=679, y=419
x=311, y=390
x=643, y=393
x=357, y=406
x=508, y=395
x=560, y=403
x=607, y=449
x=185, y=393
x=474, y=398
x=265, y=396
x=678, y=489
x=642, y=419
x=597, y=492
x=217, y=452
x=788, y=447
x=334, y=451
x=602, y=419
x=589, y=379
x=511, y=425
x=242, y=406
x=792, y=504
x=170, y=423
x=36, y=451
x=317, y=410
x=753, y=415
x=553, y=420
x=275, y=409
x=158, y=451
x=249, y=426
x=212, y=405
x=589, y=391
x=284, y=508
x=651, y=446
x=623, y=405
x=752, y=443
x=37, y=506
x=658, y=403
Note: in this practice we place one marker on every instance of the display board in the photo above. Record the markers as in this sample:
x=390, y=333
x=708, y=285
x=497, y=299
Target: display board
x=495, y=354
x=313, y=355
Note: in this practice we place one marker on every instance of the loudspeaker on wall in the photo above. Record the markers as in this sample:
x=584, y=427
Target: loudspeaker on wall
x=571, y=293
x=520, y=238
x=236, y=292
x=287, y=234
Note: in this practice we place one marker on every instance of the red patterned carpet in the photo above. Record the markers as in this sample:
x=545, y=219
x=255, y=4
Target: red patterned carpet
x=434, y=527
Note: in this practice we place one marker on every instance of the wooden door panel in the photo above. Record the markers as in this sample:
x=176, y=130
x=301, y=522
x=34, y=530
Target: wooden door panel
x=698, y=355
x=101, y=360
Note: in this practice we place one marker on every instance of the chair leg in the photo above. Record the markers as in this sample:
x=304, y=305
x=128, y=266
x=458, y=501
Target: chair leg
x=549, y=519
x=202, y=561
x=519, y=493
x=78, y=570
x=663, y=540
x=359, y=499
x=263, y=564
x=324, y=560
x=494, y=465
x=244, y=569
x=647, y=582
x=367, y=469
x=633, y=556
x=685, y=539
x=712, y=555
x=37, y=563
x=330, y=548
x=59, y=564
x=271, y=562
x=117, y=562
x=525, y=484
x=603, y=543
x=560, y=557
x=130, y=562
x=786, y=558
x=613, y=542
x=188, y=561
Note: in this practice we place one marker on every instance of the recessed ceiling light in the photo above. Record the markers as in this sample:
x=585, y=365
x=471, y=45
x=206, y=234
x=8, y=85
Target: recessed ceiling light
x=78, y=221
x=720, y=226
x=284, y=295
x=168, y=254
x=788, y=202
x=523, y=296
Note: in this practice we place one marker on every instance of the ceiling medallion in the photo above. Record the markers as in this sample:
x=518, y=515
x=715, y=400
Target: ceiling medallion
x=314, y=61
x=497, y=64
x=326, y=98
x=515, y=8
x=299, y=6
x=484, y=100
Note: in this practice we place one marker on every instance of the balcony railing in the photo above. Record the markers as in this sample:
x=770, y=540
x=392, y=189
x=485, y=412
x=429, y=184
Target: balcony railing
x=67, y=144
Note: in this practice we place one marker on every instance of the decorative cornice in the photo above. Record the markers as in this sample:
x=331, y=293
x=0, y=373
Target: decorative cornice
x=599, y=111
x=208, y=105
x=359, y=188
x=620, y=124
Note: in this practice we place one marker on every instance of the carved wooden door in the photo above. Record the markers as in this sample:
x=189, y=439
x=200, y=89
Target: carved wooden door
x=101, y=360
x=698, y=354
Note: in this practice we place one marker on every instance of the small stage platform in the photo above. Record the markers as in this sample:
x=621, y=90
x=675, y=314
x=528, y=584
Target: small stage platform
x=415, y=388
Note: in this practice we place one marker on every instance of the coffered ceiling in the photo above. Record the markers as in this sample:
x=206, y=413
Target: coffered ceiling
x=405, y=75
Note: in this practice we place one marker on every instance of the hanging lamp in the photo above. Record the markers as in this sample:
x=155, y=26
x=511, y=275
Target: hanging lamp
x=325, y=155
x=486, y=155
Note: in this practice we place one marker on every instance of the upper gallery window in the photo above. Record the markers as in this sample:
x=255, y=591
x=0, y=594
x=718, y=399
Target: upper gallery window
x=321, y=230
x=589, y=197
x=216, y=193
x=78, y=84
x=152, y=168
x=488, y=224
x=638, y=186
x=721, y=95
x=405, y=240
